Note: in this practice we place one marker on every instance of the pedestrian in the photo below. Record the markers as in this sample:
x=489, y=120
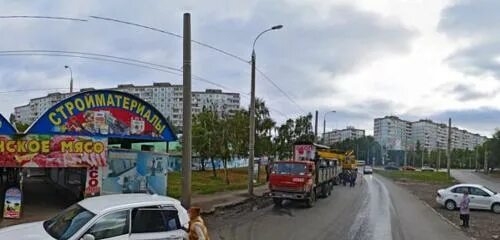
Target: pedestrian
x=464, y=209
x=347, y=177
x=355, y=176
x=197, y=228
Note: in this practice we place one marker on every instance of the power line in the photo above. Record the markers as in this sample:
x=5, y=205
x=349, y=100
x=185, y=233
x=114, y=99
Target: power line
x=32, y=90
x=281, y=90
x=92, y=58
x=141, y=62
x=47, y=17
x=205, y=45
x=175, y=35
x=103, y=57
x=91, y=54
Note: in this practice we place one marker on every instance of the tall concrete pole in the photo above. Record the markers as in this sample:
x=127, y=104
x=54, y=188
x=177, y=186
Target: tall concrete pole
x=422, y=158
x=476, y=156
x=439, y=159
x=485, y=159
x=470, y=161
x=186, y=118
x=251, y=142
x=316, y=129
x=448, y=149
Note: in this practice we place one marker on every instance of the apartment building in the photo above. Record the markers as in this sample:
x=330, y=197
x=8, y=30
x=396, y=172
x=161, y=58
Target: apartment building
x=392, y=132
x=428, y=134
x=166, y=97
x=340, y=135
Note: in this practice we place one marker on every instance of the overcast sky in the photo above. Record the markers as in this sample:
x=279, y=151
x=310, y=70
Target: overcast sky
x=365, y=59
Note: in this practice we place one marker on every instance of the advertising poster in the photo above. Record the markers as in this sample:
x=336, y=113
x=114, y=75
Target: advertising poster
x=12, y=203
x=135, y=172
x=93, y=182
x=303, y=152
x=52, y=151
x=104, y=113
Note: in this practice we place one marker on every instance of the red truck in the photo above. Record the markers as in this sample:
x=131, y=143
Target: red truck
x=304, y=178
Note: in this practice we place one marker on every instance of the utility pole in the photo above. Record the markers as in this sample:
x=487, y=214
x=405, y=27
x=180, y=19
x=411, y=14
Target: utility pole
x=485, y=159
x=470, y=160
x=316, y=129
x=422, y=158
x=439, y=159
x=476, y=156
x=71, y=78
x=448, y=150
x=405, y=161
x=252, y=129
x=251, y=142
x=186, y=118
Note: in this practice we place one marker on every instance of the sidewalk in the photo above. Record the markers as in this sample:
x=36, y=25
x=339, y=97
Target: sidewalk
x=208, y=203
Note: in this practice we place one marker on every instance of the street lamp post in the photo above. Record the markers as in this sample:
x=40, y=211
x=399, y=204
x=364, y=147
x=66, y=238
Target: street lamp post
x=251, y=142
x=71, y=79
x=324, y=124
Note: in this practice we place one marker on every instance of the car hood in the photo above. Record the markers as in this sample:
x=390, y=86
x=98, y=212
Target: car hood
x=27, y=231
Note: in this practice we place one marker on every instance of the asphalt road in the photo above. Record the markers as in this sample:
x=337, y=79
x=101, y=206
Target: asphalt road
x=375, y=209
x=469, y=176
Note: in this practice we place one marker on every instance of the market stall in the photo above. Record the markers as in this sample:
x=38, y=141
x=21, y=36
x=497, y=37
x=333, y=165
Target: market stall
x=70, y=141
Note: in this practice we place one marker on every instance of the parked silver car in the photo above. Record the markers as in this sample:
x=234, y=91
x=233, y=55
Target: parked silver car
x=117, y=217
x=481, y=197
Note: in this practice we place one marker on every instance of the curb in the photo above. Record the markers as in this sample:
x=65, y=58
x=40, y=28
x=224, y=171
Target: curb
x=230, y=204
x=445, y=219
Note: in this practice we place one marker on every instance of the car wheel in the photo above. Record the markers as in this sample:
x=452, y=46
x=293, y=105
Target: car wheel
x=450, y=205
x=496, y=208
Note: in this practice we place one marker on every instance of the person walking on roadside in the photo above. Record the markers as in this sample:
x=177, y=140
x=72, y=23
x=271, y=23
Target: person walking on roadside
x=197, y=228
x=464, y=209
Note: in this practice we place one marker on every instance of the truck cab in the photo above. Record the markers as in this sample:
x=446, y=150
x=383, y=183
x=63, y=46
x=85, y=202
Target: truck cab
x=291, y=180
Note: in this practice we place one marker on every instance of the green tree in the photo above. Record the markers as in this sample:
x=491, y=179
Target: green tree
x=205, y=127
x=285, y=139
x=303, y=131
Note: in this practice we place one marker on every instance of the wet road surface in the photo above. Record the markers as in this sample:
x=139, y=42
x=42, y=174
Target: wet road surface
x=375, y=209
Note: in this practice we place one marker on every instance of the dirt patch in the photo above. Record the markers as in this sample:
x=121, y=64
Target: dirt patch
x=484, y=225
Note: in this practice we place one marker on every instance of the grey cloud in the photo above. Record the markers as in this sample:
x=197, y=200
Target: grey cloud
x=475, y=21
x=304, y=58
x=482, y=120
x=468, y=93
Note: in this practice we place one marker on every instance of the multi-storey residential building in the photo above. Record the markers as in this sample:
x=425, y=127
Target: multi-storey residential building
x=426, y=133
x=166, y=97
x=392, y=133
x=343, y=134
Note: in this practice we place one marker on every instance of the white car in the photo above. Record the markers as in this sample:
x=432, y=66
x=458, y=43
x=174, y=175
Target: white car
x=367, y=170
x=112, y=217
x=480, y=197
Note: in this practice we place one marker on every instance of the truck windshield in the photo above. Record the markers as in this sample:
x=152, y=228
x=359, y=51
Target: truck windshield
x=289, y=168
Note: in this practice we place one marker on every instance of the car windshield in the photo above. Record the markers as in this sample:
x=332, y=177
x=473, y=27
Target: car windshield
x=289, y=168
x=68, y=222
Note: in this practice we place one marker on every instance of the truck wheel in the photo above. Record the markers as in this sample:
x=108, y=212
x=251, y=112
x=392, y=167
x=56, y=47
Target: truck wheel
x=330, y=187
x=277, y=202
x=311, y=199
x=324, y=190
